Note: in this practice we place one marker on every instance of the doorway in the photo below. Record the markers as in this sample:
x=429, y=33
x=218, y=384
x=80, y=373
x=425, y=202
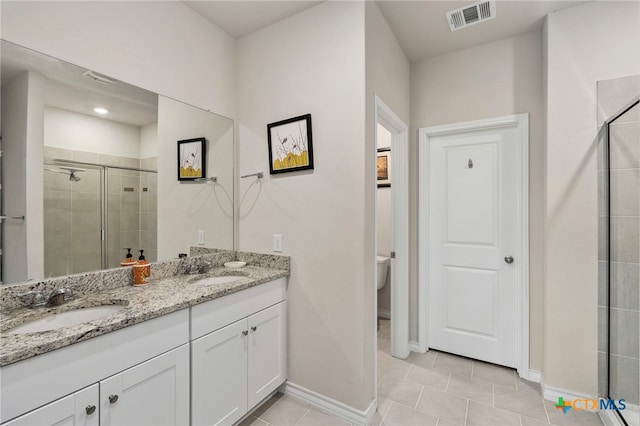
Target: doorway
x=473, y=242
x=398, y=158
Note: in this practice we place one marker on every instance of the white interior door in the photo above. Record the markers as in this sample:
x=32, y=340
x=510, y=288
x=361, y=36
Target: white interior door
x=473, y=244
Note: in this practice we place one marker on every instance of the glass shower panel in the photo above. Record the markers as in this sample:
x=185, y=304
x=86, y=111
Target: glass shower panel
x=624, y=259
x=72, y=219
x=131, y=214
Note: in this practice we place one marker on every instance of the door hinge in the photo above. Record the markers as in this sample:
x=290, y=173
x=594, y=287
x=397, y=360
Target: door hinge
x=393, y=254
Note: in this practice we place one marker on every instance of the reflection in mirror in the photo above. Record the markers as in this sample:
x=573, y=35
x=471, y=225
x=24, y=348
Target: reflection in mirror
x=88, y=182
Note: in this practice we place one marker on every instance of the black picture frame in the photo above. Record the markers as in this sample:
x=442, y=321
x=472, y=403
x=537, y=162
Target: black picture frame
x=192, y=159
x=290, y=145
x=383, y=168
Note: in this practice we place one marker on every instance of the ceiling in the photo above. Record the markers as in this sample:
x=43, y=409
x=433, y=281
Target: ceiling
x=66, y=88
x=422, y=30
x=420, y=26
x=239, y=17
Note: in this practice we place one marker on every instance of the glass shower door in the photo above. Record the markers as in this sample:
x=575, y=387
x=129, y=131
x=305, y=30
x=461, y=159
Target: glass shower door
x=72, y=218
x=623, y=301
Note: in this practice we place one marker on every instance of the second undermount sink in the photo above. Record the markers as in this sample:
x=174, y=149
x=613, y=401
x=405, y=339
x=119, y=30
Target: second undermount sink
x=66, y=319
x=224, y=279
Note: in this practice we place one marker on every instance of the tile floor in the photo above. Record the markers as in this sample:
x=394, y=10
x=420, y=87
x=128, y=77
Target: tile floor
x=436, y=389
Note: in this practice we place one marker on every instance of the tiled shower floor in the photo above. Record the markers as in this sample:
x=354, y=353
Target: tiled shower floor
x=436, y=388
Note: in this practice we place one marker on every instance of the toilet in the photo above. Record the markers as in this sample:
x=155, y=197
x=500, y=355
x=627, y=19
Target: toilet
x=383, y=267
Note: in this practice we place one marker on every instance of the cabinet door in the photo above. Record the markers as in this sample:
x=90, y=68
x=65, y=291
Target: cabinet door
x=267, y=352
x=155, y=392
x=72, y=410
x=219, y=375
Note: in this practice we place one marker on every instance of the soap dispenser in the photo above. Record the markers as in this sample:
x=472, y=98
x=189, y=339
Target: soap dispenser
x=128, y=259
x=143, y=261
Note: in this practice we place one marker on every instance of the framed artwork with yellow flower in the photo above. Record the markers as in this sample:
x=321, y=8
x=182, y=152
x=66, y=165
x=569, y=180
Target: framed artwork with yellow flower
x=290, y=145
x=192, y=159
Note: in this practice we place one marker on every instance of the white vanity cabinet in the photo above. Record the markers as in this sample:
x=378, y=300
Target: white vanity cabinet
x=146, y=365
x=77, y=409
x=219, y=379
x=153, y=393
x=206, y=365
x=238, y=353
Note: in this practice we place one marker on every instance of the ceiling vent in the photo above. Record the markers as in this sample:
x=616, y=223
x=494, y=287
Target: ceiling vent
x=471, y=14
x=100, y=78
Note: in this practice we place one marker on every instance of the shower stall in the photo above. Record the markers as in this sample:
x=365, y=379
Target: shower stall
x=92, y=212
x=619, y=289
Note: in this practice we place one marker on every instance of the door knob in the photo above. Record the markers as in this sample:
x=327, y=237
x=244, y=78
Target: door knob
x=508, y=259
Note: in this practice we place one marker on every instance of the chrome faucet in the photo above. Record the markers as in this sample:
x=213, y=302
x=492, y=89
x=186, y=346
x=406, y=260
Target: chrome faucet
x=34, y=299
x=199, y=267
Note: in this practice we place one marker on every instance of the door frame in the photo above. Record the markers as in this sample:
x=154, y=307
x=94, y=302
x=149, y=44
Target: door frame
x=425, y=134
x=399, y=228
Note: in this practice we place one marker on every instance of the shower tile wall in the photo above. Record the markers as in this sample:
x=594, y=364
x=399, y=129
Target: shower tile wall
x=71, y=223
x=613, y=95
x=149, y=215
x=72, y=213
x=132, y=214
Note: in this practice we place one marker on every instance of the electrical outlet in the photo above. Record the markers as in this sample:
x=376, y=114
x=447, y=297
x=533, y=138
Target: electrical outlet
x=201, y=236
x=277, y=242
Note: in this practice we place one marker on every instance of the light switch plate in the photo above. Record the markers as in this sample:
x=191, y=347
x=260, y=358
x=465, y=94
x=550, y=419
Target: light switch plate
x=277, y=243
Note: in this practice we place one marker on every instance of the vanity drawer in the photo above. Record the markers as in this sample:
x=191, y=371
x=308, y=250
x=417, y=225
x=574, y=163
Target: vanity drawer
x=210, y=316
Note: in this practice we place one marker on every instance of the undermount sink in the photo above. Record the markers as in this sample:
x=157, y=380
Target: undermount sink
x=224, y=279
x=66, y=319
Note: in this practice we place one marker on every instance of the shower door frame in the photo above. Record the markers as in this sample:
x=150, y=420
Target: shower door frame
x=607, y=200
x=102, y=197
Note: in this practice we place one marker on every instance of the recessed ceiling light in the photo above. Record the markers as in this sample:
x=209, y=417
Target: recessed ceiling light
x=101, y=111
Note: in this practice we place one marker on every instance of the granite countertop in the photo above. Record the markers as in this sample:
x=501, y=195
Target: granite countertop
x=160, y=297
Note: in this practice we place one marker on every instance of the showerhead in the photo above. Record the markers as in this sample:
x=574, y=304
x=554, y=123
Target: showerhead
x=70, y=171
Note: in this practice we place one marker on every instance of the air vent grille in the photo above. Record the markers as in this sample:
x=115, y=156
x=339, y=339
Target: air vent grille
x=471, y=14
x=100, y=78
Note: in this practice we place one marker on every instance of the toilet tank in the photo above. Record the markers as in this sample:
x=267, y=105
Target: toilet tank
x=383, y=267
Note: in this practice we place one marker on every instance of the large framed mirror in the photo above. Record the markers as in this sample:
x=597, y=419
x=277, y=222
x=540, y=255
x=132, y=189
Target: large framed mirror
x=88, y=169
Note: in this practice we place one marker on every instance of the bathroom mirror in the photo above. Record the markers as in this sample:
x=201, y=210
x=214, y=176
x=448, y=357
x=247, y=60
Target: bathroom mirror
x=80, y=184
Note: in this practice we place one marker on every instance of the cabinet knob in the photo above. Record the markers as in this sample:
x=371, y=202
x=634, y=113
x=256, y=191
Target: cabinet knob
x=254, y=328
x=245, y=332
x=90, y=409
x=113, y=399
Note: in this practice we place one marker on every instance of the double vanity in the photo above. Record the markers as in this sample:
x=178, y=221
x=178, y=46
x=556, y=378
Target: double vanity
x=201, y=344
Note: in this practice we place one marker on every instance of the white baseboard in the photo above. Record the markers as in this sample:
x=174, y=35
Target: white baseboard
x=384, y=313
x=552, y=394
x=331, y=406
x=532, y=375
